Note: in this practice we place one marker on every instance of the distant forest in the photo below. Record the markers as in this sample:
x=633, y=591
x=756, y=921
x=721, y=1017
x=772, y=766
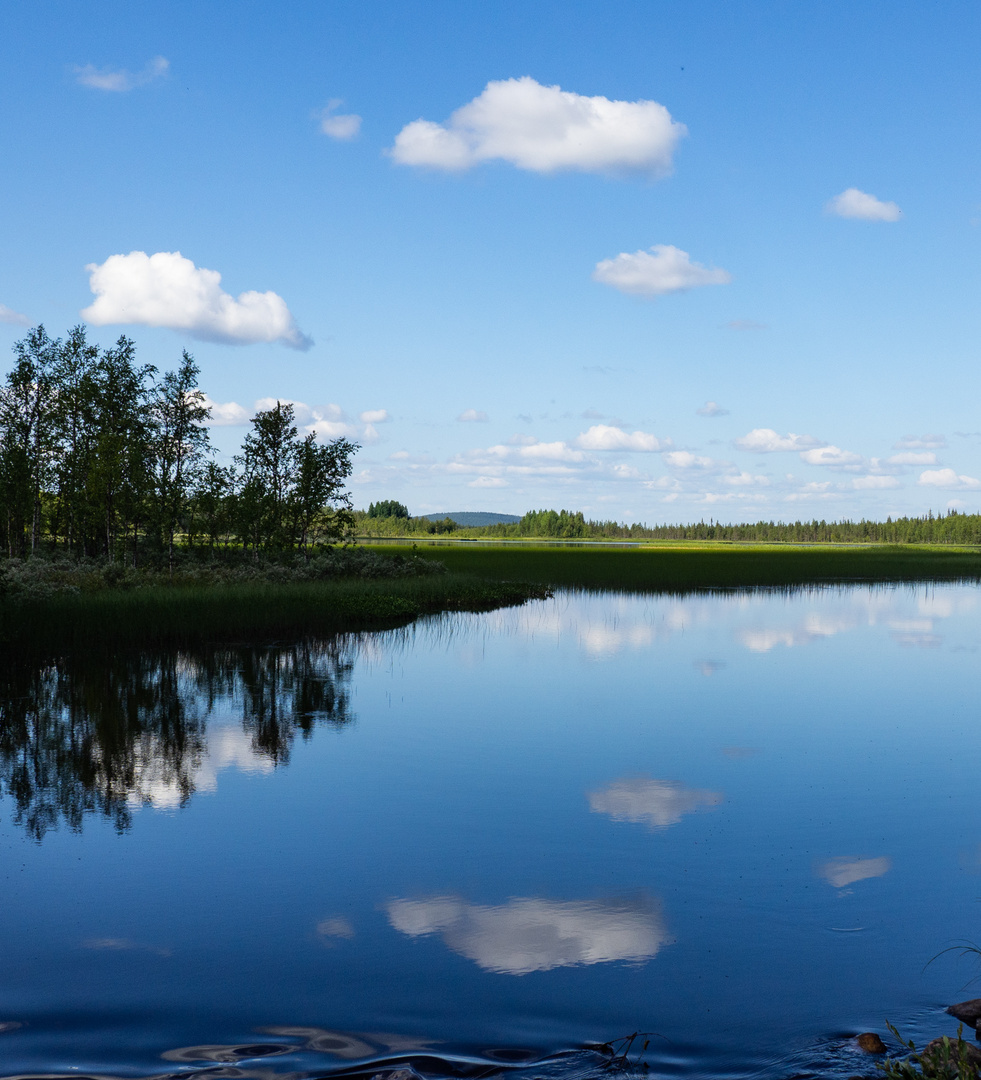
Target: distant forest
x=105, y=457
x=952, y=528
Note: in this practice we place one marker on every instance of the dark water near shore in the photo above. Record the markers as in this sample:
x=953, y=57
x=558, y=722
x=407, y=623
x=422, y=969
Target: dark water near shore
x=742, y=821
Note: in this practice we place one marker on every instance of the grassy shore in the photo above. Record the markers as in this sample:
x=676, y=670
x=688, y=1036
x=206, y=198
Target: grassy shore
x=188, y=615
x=683, y=567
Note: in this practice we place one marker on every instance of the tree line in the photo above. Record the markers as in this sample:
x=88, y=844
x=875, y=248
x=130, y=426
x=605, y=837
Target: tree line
x=950, y=528
x=103, y=456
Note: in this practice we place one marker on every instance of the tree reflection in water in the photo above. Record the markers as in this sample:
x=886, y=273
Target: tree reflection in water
x=85, y=735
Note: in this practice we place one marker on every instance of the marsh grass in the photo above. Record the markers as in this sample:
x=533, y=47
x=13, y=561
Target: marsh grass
x=187, y=615
x=686, y=567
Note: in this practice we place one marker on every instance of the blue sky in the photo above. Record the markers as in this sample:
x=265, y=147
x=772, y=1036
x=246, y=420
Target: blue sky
x=654, y=261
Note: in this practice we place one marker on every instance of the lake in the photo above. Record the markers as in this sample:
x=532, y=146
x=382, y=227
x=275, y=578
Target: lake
x=741, y=821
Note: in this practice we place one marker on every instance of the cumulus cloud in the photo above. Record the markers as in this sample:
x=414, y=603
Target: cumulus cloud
x=655, y=803
x=118, y=80
x=165, y=289
x=685, y=459
x=872, y=482
x=473, y=416
x=830, y=455
x=921, y=442
x=853, y=203
x=532, y=934
x=605, y=437
x=13, y=318
x=767, y=441
x=913, y=458
x=947, y=478
x=545, y=129
x=225, y=414
x=337, y=125
x=842, y=872
x=662, y=270
x=375, y=416
x=710, y=408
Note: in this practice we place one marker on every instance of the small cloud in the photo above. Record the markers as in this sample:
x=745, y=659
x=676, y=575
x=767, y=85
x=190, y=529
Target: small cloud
x=862, y=483
x=591, y=414
x=605, y=437
x=710, y=408
x=118, y=80
x=767, y=441
x=165, y=289
x=488, y=482
x=524, y=418
x=375, y=416
x=921, y=442
x=544, y=129
x=13, y=318
x=400, y=455
x=337, y=125
x=685, y=459
x=654, y=803
x=842, y=872
x=662, y=270
x=913, y=458
x=225, y=414
x=745, y=324
x=473, y=416
x=830, y=455
x=709, y=667
x=947, y=478
x=853, y=203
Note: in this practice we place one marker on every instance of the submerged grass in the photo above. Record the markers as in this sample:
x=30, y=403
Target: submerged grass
x=187, y=615
x=685, y=567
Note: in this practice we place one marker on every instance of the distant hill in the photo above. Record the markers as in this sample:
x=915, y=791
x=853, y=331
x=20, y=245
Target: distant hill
x=474, y=518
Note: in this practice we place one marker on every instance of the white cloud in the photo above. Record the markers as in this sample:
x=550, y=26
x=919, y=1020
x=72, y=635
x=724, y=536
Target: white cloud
x=912, y=458
x=473, y=416
x=118, y=80
x=767, y=441
x=605, y=437
x=685, y=459
x=531, y=934
x=375, y=416
x=13, y=318
x=553, y=451
x=302, y=413
x=842, y=872
x=667, y=270
x=862, y=483
x=225, y=414
x=853, y=203
x=165, y=289
x=655, y=803
x=710, y=408
x=947, y=478
x=922, y=442
x=545, y=129
x=830, y=455
x=337, y=125
x=488, y=482
x=745, y=479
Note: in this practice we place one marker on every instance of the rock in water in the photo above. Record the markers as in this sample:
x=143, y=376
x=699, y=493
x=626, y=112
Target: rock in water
x=968, y=1012
x=871, y=1043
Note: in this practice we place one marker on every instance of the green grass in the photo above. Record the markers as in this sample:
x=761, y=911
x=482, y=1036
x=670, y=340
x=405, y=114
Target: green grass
x=180, y=616
x=674, y=567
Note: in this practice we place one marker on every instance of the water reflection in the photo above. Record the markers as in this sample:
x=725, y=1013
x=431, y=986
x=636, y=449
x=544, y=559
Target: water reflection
x=532, y=934
x=842, y=872
x=78, y=737
x=655, y=803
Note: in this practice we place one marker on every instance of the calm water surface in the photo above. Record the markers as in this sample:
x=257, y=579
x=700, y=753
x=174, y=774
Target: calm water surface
x=742, y=821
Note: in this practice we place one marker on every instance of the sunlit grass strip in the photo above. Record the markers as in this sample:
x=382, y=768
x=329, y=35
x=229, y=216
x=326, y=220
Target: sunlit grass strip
x=681, y=567
x=193, y=615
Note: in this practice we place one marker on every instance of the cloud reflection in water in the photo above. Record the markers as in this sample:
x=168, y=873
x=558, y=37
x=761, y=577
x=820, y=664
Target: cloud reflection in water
x=532, y=934
x=842, y=872
x=655, y=803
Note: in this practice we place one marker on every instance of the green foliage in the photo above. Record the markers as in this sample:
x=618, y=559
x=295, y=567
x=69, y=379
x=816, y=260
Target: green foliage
x=101, y=458
x=948, y=1060
x=388, y=508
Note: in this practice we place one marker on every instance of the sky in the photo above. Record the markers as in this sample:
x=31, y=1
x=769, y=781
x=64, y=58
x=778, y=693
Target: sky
x=654, y=261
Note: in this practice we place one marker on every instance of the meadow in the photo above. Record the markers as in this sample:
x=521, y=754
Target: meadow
x=668, y=567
